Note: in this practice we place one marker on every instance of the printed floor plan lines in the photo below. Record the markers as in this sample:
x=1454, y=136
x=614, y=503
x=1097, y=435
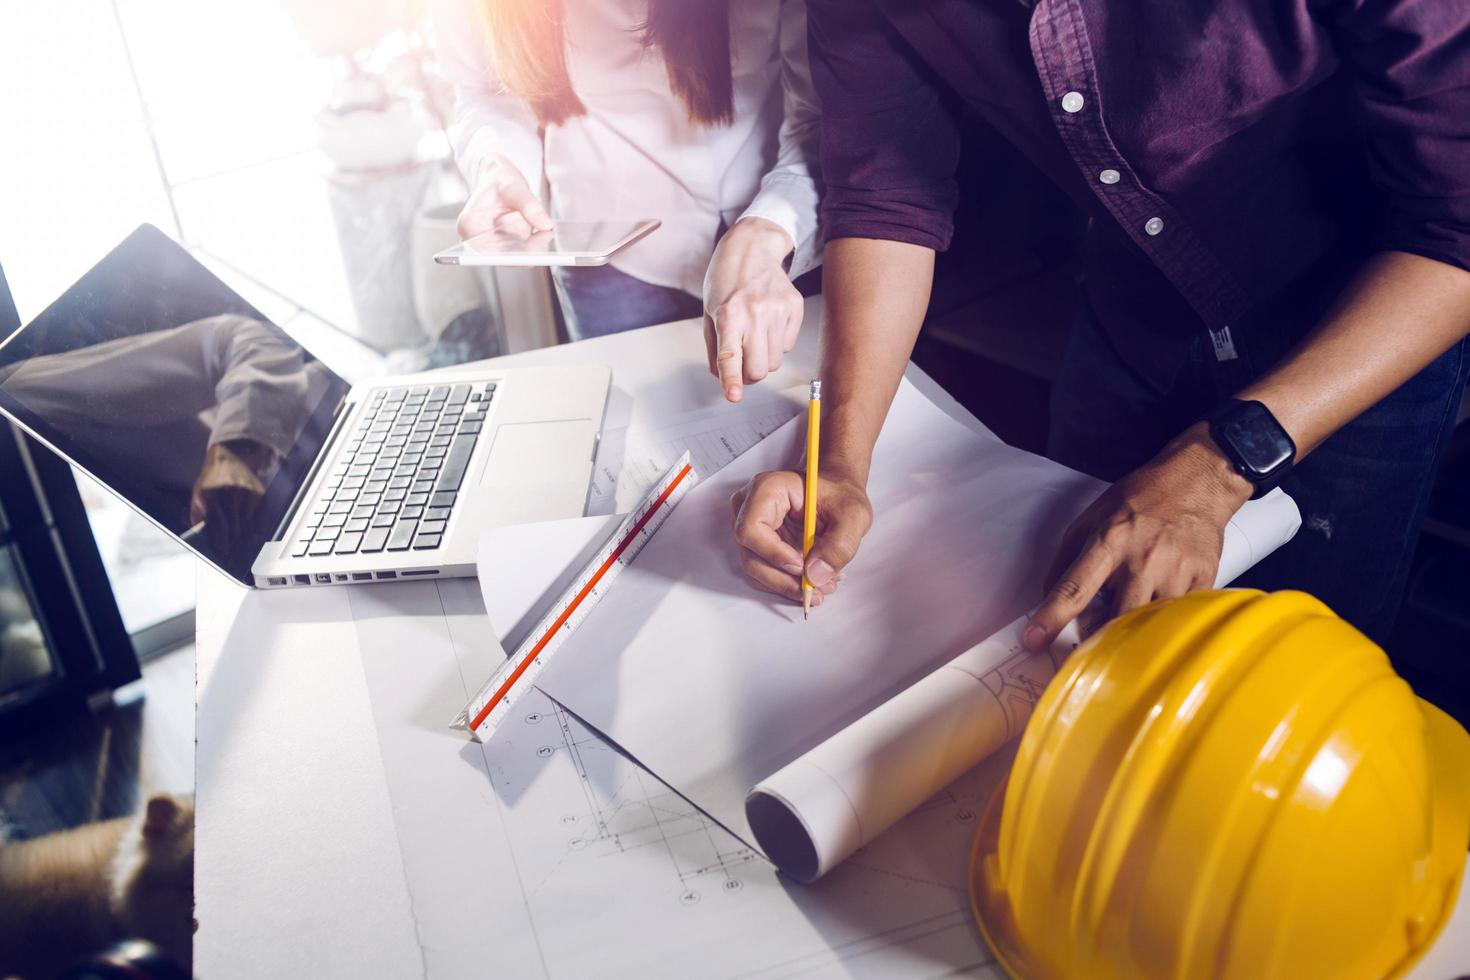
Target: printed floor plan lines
x=642, y=812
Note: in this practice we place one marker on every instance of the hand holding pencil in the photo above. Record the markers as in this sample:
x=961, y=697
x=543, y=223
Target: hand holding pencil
x=787, y=542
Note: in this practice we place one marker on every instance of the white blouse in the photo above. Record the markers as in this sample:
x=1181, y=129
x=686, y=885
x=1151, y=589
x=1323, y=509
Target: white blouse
x=635, y=154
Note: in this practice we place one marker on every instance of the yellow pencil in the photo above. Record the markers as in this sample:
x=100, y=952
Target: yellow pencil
x=809, y=512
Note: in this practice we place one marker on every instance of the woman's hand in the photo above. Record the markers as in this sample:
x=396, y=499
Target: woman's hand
x=1155, y=534
x=752, y=313
x=768, y=529
x=502, y=201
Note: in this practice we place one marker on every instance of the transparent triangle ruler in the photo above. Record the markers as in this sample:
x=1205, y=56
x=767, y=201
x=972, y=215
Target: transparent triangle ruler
x=493, y=703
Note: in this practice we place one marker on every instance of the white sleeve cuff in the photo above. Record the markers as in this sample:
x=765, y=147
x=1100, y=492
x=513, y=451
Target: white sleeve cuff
x=790, y=202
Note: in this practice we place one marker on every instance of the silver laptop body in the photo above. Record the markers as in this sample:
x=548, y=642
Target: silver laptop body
x=167, y=388
x=366, y=516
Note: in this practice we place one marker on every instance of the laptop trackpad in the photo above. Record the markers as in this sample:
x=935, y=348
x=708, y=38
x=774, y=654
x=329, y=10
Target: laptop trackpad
x=539, y=471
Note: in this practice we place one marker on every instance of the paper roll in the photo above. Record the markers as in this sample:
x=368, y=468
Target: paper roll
x=812, y=814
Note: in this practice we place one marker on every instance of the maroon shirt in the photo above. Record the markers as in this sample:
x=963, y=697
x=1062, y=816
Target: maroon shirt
x=1239, y=157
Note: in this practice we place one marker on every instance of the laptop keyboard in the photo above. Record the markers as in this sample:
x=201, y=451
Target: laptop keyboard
x=400, y=473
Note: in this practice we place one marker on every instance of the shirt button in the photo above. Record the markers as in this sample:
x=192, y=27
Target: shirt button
x=1153, y=225
x=1110, y=176
x=1072, y=102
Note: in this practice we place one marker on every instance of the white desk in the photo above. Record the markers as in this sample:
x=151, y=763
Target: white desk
x=298, y=868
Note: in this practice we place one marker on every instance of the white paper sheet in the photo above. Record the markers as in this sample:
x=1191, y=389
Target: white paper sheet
x=547, y=853
x=522, y=567
x=626, y=468
x=714, y=687
x=822, y=806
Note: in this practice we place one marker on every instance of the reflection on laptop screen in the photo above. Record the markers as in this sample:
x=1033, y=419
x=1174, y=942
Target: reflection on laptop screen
x=170, y=389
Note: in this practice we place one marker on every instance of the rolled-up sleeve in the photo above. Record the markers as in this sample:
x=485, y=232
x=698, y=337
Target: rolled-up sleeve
x=890, y=139
x=1411, y=63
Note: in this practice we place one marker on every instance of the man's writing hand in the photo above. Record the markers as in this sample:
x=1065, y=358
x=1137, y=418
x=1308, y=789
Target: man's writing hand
x=768, y=529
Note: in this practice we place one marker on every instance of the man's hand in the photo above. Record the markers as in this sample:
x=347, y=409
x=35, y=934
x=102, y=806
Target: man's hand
x=752, y=313
x=502, y=201
x=1155, y=534
x=768, y=528
x=875, y=296
x=228, y=491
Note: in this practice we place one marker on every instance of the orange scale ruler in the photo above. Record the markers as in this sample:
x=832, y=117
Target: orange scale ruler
x=493, y=703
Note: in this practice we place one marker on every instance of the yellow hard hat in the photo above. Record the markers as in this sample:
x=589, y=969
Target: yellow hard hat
x=1229, y=784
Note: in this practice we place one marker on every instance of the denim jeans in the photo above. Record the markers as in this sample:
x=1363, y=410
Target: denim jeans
x=597, y=300
x=1363, y=493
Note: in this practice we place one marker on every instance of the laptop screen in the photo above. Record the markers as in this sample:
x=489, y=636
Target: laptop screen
x=168, y=388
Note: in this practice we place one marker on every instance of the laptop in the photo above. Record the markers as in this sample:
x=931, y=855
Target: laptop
x=154, y=377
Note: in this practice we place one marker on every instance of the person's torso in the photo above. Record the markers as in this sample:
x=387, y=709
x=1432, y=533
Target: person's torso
x=635, y=153
x=1212, y=142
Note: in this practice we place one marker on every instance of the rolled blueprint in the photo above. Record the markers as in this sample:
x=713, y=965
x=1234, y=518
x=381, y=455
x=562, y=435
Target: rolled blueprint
x=812, y=814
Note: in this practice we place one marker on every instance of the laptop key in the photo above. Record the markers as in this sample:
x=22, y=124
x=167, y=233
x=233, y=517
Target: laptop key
x=424, y=542
x=374, y=540
x=443, y=499
x=319, y=548
x=431, y=527
x=416, y=499
x=356, y=524
x=402, y=535
x=413, y=511
x=436, y=514
x=348, y=544
x=458, y=394
x=298, y=550
x=455, y=464
x=469, y=428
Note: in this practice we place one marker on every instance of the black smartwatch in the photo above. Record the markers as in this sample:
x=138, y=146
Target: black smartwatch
x=1254, y=442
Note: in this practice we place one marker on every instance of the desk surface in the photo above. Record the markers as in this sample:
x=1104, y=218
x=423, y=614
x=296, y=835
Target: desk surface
x=298, y=867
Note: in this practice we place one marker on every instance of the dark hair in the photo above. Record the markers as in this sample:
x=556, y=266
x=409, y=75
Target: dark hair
x=528, y=41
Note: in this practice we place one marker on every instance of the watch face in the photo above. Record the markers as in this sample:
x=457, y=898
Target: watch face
x=1258, y=438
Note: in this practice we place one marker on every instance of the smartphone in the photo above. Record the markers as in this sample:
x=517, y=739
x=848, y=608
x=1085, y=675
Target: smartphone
x=569, y=243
